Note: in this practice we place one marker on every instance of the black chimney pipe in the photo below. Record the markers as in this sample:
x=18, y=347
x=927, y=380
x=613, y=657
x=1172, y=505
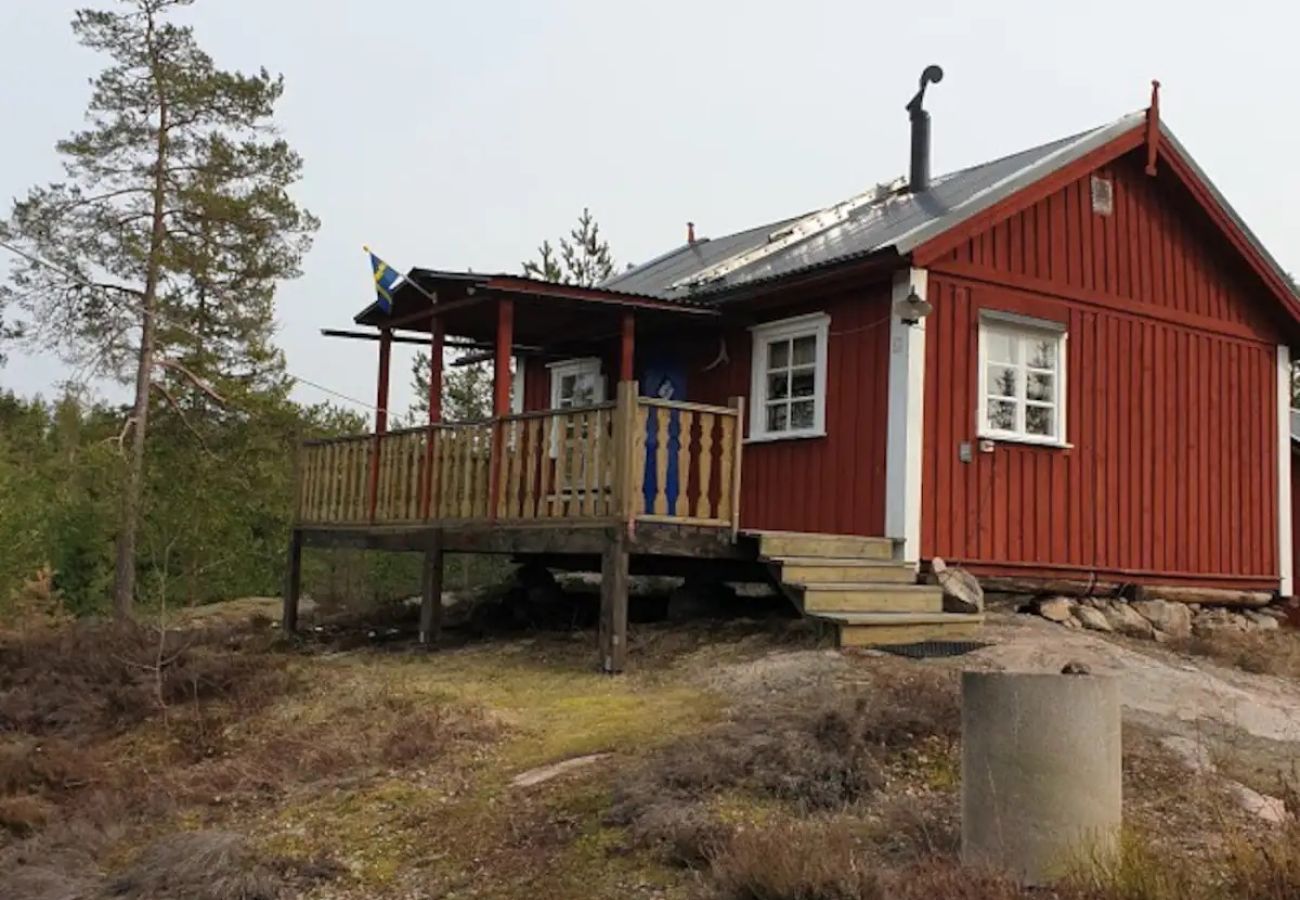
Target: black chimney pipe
x=919, y=179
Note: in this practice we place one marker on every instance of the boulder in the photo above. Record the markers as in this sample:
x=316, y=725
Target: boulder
x=1056, y=609
x=1261, y=621
x=1124, y=619
x=1093, y=619
x=1172, y=619
x=961, y=590
x=1211, y=619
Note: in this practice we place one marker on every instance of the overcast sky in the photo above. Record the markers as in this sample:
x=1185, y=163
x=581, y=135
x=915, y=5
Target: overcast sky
x=458, y=135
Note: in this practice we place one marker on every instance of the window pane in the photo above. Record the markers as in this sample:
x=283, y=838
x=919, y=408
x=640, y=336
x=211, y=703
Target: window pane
x=805, y=350
x=1042, y=354
x=801, y=414
x=802, y=382
x=777, y=417
x=1040, y=386
x=1039, y=419
x=778, y=386
x=1000, y=346
x=584, y=391
x=778, y=354
x=1002, y=381
x=1002, y=415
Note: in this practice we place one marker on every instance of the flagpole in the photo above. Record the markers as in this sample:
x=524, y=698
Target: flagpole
x=409, y=280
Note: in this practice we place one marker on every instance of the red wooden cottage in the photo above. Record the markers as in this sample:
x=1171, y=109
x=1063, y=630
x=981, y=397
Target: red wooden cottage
x=1071, y=362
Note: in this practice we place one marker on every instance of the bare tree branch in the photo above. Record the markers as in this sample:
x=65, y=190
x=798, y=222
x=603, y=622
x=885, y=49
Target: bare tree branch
x=192, y=378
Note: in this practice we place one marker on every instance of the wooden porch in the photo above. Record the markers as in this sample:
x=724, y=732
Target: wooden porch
x=638, y=477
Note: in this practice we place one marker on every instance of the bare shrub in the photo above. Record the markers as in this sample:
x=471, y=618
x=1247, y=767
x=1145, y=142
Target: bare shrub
x=383, y=731
x=1260, y=652
x=684, y=834
x=199, y=865
x=943, y=877
x=1267, y=869
x=52, y=765
x=797, y=861
x=809, y=752
x=96, y=678
x=23, y=814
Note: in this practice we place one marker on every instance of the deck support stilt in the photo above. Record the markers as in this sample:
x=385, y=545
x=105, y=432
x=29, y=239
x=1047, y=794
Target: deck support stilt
x=613, y=603
x=292, y=584
x=431, y=595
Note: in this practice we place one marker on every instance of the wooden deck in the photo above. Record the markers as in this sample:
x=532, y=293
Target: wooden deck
x=593, y=486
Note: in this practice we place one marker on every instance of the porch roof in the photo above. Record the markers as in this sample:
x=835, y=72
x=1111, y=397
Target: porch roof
x=545, y=313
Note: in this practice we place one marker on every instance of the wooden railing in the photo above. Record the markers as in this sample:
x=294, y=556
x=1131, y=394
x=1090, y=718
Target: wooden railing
x=636, y=458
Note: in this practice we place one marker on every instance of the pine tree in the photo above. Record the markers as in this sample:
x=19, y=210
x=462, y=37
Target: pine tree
x=585, y=259
x=170, y=231
x=466, y=391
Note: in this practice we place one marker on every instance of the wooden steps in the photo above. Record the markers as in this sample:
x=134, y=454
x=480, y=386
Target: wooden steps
x=857, y=585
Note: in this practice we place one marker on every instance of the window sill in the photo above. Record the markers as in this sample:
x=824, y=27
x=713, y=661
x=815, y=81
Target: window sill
x=1049, y=443
x=796, y=436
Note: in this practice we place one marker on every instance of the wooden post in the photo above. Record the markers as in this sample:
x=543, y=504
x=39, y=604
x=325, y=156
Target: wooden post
x=381, y=414
x=431, y=594
x=613, y=602
x=624, y=444
x=435, y=414
x=738, y=404
x=500, y=398
x=627, y=349
x=292, y=583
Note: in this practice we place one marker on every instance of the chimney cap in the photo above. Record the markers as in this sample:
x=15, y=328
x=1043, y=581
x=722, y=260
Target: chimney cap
x=932, y=74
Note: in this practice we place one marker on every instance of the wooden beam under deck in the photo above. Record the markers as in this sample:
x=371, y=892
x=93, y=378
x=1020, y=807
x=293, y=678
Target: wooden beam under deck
x=591, y=537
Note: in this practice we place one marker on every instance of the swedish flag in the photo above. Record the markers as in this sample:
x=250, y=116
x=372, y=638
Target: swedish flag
x=386, y=279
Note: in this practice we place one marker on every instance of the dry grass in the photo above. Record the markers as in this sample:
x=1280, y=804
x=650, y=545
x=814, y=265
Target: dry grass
x=807, y=754
x=92, y=679
x=1259, y=652
x=794, y=861
x=198, y=865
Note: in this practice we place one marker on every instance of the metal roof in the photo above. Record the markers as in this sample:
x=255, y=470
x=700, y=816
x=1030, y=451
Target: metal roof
x=876, y=221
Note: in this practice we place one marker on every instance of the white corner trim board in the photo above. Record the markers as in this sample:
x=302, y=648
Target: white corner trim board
x=906, y=421
x=1284, y=561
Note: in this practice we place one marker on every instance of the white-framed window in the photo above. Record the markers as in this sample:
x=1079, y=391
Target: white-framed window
x=1022, y=378
x=788, y=379
x=576, y=382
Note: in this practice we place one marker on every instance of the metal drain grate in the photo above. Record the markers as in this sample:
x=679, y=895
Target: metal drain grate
x=933, y=649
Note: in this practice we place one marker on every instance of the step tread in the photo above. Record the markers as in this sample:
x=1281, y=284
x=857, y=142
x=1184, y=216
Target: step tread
x=901, y=618
x=816, y=534
x=872, y=587
x=841, y=561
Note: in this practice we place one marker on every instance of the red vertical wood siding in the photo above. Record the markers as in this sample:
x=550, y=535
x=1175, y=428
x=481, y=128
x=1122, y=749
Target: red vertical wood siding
x=833, y=484
x=1170, y=407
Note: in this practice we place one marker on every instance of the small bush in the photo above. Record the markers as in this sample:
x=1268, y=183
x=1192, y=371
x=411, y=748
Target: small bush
x=811, y=753
x=1259, y=652
x=802, y=861
x=199, y=865
x=96, y=678
x=943, y=878
x=1267, y=870
x=23, y=814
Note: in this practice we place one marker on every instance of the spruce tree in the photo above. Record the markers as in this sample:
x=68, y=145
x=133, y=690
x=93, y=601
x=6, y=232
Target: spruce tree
x=585, y=259
x=168, y=235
